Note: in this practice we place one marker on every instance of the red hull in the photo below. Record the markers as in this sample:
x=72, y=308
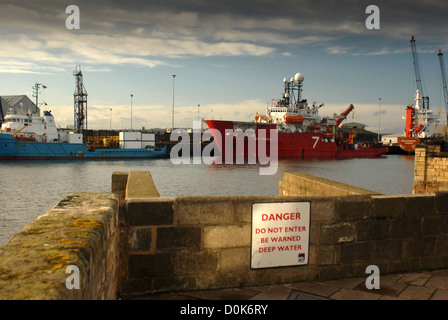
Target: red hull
x=408, y=144
x=295, y=144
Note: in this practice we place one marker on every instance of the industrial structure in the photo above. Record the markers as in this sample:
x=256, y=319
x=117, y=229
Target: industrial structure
x=80, y=96
x=445, y=91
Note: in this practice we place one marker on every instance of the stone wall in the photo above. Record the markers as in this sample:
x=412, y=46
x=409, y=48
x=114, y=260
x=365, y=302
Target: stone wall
x=430, y=169
x=191, y=243
x=302, y=184
x=134, y=242
x=81, y=232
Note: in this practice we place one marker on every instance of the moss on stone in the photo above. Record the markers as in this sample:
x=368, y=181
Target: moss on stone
x=33, y=263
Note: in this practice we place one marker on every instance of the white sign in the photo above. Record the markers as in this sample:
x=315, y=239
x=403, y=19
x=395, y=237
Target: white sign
x=280, y=234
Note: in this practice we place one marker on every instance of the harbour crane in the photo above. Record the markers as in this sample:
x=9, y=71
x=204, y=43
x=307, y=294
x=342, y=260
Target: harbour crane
x=418, y=79
x=445, y=91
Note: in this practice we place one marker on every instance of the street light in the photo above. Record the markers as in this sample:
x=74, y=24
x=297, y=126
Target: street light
x=110, y=119
x=172, y=122
x=379, y=118
x=131, y=110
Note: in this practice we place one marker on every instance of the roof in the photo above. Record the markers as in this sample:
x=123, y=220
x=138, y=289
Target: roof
x=354, y=124
x=20, y=103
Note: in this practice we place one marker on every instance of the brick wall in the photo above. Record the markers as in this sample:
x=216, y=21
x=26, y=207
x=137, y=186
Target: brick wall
x=190, y=243
x=430, y=169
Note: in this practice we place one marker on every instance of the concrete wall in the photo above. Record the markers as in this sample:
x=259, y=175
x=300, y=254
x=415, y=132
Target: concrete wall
x=430, y=169
x=81, y=231
x=190, y=243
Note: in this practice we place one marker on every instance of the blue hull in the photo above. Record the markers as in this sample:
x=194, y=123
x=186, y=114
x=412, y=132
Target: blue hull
x=12, y=149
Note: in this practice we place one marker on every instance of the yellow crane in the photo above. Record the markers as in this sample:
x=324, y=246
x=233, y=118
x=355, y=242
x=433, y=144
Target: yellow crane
x=15, y=133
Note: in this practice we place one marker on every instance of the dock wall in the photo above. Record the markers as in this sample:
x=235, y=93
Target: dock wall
x=192, y=243
x=134, y=242
x=430, y=169
x=302, y=184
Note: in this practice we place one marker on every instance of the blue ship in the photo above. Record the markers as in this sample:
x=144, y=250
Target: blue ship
x=35, y=137
x=14, y=149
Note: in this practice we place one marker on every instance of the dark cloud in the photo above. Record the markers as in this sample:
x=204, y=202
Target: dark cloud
x=146, y=32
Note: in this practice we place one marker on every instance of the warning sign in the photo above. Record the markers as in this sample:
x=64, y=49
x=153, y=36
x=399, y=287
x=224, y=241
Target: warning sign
x=280, y=234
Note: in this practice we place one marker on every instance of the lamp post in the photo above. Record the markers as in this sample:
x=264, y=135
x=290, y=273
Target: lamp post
x=110, y=119
x=379, y=118
x=172, y=121
x=131, y=110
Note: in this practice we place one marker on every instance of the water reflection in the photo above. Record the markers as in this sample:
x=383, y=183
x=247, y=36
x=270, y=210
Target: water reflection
x=31, y=188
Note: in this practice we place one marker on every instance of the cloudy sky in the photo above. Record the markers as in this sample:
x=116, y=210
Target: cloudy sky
x=229, y=57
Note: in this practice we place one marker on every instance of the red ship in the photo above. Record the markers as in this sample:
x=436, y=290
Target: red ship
x=298, y=129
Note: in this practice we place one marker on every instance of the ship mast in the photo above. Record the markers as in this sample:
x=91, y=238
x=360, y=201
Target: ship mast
x=80, y=96
x=290, y=86
x=36, y=88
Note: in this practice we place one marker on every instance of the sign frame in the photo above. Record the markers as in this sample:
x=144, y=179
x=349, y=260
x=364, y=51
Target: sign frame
x=289, y=212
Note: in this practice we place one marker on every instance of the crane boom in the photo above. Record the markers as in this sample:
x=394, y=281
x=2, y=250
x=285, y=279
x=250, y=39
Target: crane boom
x=445, y=90
x=418, y=78
x=344, y=115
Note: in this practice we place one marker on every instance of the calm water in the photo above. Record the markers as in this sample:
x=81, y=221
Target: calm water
x=31, y=188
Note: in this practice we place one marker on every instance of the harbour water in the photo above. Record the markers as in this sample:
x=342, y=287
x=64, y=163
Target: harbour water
x=31, y=188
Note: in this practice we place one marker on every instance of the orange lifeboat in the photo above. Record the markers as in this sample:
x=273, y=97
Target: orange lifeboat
x=24, y=139
x=293, y=119
x=314, y=127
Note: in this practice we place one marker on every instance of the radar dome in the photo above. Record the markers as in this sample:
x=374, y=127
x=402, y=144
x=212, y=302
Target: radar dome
x=299, y=77
x=285, y=80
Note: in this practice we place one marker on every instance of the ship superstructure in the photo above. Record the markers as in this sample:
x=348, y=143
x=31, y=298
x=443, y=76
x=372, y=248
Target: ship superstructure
x=293, y=114
x=31, y=127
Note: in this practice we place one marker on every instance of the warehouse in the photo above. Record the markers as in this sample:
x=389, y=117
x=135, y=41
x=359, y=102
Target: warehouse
x=20, y=104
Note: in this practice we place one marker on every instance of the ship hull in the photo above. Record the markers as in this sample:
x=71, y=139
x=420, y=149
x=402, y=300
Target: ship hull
x=12, y=149
x=290, y=145
x=408, y=144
